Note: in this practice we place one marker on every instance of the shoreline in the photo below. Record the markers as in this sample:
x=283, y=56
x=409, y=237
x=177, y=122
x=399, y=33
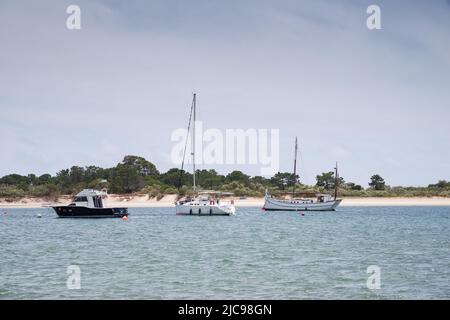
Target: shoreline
x=137, y=201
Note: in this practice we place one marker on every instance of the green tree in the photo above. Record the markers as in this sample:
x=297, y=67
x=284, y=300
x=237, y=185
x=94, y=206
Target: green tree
x=16, y=180
x=63, y=181
x=209, y=179
x=44, y=179
x=442, y=184
x=176, y=178
x=237, y=176
x=143, y=167
x=76, y=175
x=98, y=183
x=93, y=173
x=32, y=179
x=377, y=182
x=282, y=180
x=326, y=180
x=260, y=180
x=125, y=179
x=130, y=175
x=353, y=186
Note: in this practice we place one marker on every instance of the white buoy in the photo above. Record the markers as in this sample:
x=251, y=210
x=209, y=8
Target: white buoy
x=39, y=215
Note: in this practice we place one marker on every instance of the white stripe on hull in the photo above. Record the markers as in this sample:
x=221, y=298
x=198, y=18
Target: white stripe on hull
x=280, y=205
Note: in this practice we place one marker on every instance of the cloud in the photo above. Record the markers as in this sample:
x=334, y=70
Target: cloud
x=312, y=69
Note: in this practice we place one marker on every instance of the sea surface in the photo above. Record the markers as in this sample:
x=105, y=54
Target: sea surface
x=253, y=255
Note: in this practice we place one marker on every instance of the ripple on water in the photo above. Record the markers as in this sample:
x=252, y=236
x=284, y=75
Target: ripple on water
x=254, y=255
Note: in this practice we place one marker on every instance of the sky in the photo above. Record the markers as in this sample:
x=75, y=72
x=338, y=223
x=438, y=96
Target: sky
x=376, y=101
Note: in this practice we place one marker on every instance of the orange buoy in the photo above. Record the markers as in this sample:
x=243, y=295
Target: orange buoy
x=125, y=218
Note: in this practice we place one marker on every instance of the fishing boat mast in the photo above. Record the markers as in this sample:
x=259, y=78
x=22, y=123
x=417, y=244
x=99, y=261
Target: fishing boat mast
x=336, y=181
x=295, y=168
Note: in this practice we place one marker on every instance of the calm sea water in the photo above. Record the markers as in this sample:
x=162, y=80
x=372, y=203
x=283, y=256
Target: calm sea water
x=254, y=255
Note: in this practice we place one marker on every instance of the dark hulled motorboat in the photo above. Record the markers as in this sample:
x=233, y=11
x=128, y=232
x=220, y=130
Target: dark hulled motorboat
x=89, y=204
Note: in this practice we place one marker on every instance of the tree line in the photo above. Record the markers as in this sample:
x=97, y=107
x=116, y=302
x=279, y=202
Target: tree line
x=137, y=175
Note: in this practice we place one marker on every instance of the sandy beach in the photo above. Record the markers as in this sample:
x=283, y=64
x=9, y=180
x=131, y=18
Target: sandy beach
x=139, y=201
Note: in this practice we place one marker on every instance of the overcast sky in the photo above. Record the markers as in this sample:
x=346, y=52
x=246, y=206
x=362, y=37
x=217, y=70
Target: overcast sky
x=377, y=101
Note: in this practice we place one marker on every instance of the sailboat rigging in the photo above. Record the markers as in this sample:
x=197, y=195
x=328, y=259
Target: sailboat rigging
x=185, y=145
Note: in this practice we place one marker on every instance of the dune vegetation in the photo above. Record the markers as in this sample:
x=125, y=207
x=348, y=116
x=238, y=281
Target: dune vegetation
x=136, y=175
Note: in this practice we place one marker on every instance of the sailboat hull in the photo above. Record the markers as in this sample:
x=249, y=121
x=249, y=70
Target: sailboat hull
x=271, y=204
x=204, y=210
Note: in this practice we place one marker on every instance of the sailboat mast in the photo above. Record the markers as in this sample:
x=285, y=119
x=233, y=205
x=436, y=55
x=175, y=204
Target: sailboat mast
x=193, y=141
x=295, y=168
x=336, y=179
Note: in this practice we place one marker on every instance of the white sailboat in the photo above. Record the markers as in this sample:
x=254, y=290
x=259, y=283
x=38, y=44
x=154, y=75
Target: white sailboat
x=204, y=203
x=320, y=202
